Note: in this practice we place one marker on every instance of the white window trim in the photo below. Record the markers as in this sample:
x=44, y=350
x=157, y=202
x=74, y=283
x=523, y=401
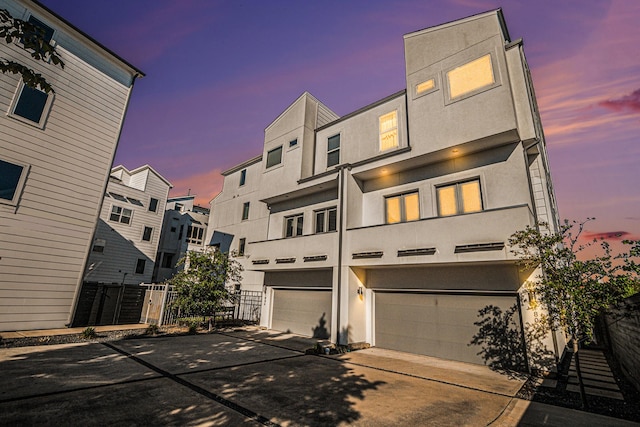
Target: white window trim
x=286, y=218
x=380, y=149
x=45, y=110
x=150, y=235
x=119, y=221
x=325, y=228
x=277, y=165
x=21, y=183
x=339, y=149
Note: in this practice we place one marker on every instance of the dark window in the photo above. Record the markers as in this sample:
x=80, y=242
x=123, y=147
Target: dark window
x=119, y=214
x=243, y=176
x=326, y=220
x=241, y=245
x=31, y=104
x=146, y=236
x=98, y=245
x=45, y=31
x=177, y=207
x=333, y=151
x=181, y=231
x=153, y=205
x=118, y=197
x=294, y=225
x=245, y=211
x=293, y=143
x=194, y=235
x=134, y=201
x=167, y=261
x=173, y=229
x=140, y=266
x=9, y=178
x=274, y=157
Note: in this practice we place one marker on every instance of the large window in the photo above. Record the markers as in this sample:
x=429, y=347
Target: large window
x=470, y=77
x=274, y=157
x=31, y=105
x=326, y=220
x=293, y=225
x=459, y=198
x=333, y=150
x=403, y=208
x=194, y=234
x=120, y=214
x=388, y=131
x=12, y=179
x=245, y=211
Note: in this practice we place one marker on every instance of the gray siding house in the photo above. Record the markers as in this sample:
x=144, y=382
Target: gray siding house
x=390, y=225
x=56, y=152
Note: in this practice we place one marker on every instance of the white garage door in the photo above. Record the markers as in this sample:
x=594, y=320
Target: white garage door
x=303, y=312
x=445, y=326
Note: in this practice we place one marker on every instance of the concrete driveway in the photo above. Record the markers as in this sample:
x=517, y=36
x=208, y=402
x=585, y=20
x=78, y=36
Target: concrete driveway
x=254, y=377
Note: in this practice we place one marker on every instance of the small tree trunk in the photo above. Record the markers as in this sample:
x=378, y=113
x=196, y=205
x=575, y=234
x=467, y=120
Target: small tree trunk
x=583, y=394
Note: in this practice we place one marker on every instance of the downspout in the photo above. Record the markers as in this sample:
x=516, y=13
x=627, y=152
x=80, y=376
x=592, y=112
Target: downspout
x=76, y=295
x=340, y=241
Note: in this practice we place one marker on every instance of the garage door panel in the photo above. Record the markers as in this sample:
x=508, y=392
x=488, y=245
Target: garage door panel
x=303, y=312
x=437, y=325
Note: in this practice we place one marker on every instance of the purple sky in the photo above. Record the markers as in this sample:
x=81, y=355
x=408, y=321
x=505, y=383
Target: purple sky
x=218, y=72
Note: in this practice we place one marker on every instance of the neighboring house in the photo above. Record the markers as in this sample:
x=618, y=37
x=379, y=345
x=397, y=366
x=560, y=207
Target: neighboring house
x=126, y=239
x=390, y=225
x=56, y=152
x=184, y=229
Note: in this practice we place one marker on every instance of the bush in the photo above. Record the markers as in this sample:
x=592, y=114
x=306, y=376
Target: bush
x=88, y=333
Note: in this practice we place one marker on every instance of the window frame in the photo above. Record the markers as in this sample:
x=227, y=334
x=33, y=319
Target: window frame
x=153, y=207
x=98, y=243
x=403, y=208
x=457, y=195
x=334, y=150
x=294, y=225
x=436, y=86
x=17, y=193
x=44, y=115
x=242, y=243
x=293, y=144
x=494, y=69
x=245, y=211
x=195, y=234
x=144, y=232
x=138, y=264
x=270, y=166
x=380, y=133
x=243, y=177
x=120, y=215
x=325, y=221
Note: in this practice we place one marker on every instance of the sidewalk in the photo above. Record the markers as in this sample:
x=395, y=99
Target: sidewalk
x=69, y=331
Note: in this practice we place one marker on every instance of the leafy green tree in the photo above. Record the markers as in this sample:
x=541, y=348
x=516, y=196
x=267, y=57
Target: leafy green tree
x=31, y=38
x=574, y=291
x=207, y=282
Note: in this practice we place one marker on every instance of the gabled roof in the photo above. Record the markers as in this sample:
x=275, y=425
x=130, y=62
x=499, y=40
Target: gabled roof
x=140, y=169
x=304, y=95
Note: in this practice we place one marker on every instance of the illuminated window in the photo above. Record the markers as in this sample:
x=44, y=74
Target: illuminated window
x=326, y=220
x=425, y=86
x=119, y=214
x=333, y=150
x=389, y=131
x=403, y=208
x=274, y=157
x=459, y=198
x=293, y=225
x=470, y=77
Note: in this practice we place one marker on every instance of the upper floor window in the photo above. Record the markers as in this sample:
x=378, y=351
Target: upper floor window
x=293, y=225
x=470, y=77
x=326, y=220
x=425, y=86
x=459, y=198
x=140, y=265
x=241, y=245
x=195, y=234
x=12, y=178
x=31, y=105
x=98, y=245
x=119, y=214
x=153, y=205
x=333, y=150
x=146, y=234
x=243, y=177
x=274, y=157
x=245, y=211
x=45, y=31
x=403, y=208
x=293, y=143
x=388, y=131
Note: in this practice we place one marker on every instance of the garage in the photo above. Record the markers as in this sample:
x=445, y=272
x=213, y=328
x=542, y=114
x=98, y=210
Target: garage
x=442, y=325
x=304, y=312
